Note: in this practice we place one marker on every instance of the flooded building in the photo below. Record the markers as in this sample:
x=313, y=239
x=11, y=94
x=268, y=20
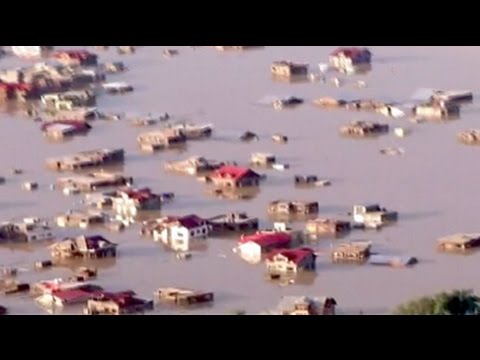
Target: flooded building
x=253, y=247
x=373, y=214
x=76, y=57
x=25, y=232
x=263, y=159
x=438, y=110
x=303, y=305
x=232, y=223
x=182, y=233
x=81, y=219
x=131, y=201
x=321, y=226
x=392, y=261
x=194, y=132
x=469, y=137
x=121, y=303
x=290, y=261
x=235, y=177
x=94, y=247
x=68, y=100
x=281, y=207
x=31, y=51
x=194, y=166
x=459, y=242
x=356, y=251
x=67, y=297
x=94, y=181
x=161, y=139
x=329, y=102
x=363, y=129
x=455, y=96
x=65, y=129
x=288, y=69
x=350, y=58
x=184, y=297
x=52, y=286
x=87, y=159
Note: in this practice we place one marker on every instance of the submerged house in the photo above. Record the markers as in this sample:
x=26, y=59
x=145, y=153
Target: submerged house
x=94, y=181
x=182, y=233
x=161, y=139
x=81, y=219
x=373, y=214
x=281, y=207
x=76, y=57
x=235, y=177
x=252, y=247
x=84, y=247
x=290, y=261
x=194, y=165
x=64, y=129
x=74, y=296
x=350, y=58
x=25, y=232
x=302, y=305
x=184, y=297
x=459, y=242
x=363, y=129
x=131, y=201
x=233, y=222
x=87, y=159
x=321, y=226
x=288, y=69
x=357, y=251
x=120, y=303
x=437, y=110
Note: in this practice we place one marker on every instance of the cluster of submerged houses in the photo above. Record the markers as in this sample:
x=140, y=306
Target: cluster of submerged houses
x=62, y=84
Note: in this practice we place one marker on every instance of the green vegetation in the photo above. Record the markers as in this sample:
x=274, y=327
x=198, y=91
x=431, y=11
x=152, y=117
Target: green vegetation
x=458, y=302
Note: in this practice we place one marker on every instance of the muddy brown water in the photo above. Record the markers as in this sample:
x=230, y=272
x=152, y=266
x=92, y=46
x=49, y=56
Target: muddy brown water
x=433, y=185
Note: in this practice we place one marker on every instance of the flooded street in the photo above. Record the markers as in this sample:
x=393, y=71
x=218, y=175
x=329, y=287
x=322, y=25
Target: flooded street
x=432, y=185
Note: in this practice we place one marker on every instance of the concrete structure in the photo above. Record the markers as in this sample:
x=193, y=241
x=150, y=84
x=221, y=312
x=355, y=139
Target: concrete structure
x=322, y=226
x=233, y=222
x=349, y=58
x=161, y=139
x=281, y=207
x=438, y=110
x=94, y=181
x=25, y=232
x=184, y=297
x=130, y=201
x=302, y=305
x=194, y=166
x=459, y=242
x=121, y=303
x=290, y=261
x=252, y=247
x=373, y=214
x=81, y=219
x=363, y=129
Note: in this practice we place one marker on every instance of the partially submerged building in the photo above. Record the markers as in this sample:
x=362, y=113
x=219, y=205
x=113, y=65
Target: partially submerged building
x=437, y=110
x=76, y=57
x=182, y=233
x=193, y=131
x=67, y=297
x=302, y=305
x=252, y=247
x=263, y=159
x=129, y=201
x=456, y=96
x=68, y=100
x=235, y=177
x=121, y=303
x=196, y=165
x=288, y=262
x=87, y=159
x=392, y=261
x=184, y=297
x=232, y=223
x=357, y=251
x=469, y=137
x=65, y=129
x=94, y=181
x=363, y=129
x=350, y=58
x=282, y=207
x=459, y=242
x=81, y=219
x=321, y=226
x=94, y=247
x=25, y=232
x=373, y=214
x=288, y=69
x=161, y=139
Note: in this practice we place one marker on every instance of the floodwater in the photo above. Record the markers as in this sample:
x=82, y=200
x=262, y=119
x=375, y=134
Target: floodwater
x=433, y=185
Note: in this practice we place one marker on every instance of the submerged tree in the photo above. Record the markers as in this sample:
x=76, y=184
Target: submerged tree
x=458, y=302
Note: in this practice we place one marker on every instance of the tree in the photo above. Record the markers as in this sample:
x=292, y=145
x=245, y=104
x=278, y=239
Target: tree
x=458, y=302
